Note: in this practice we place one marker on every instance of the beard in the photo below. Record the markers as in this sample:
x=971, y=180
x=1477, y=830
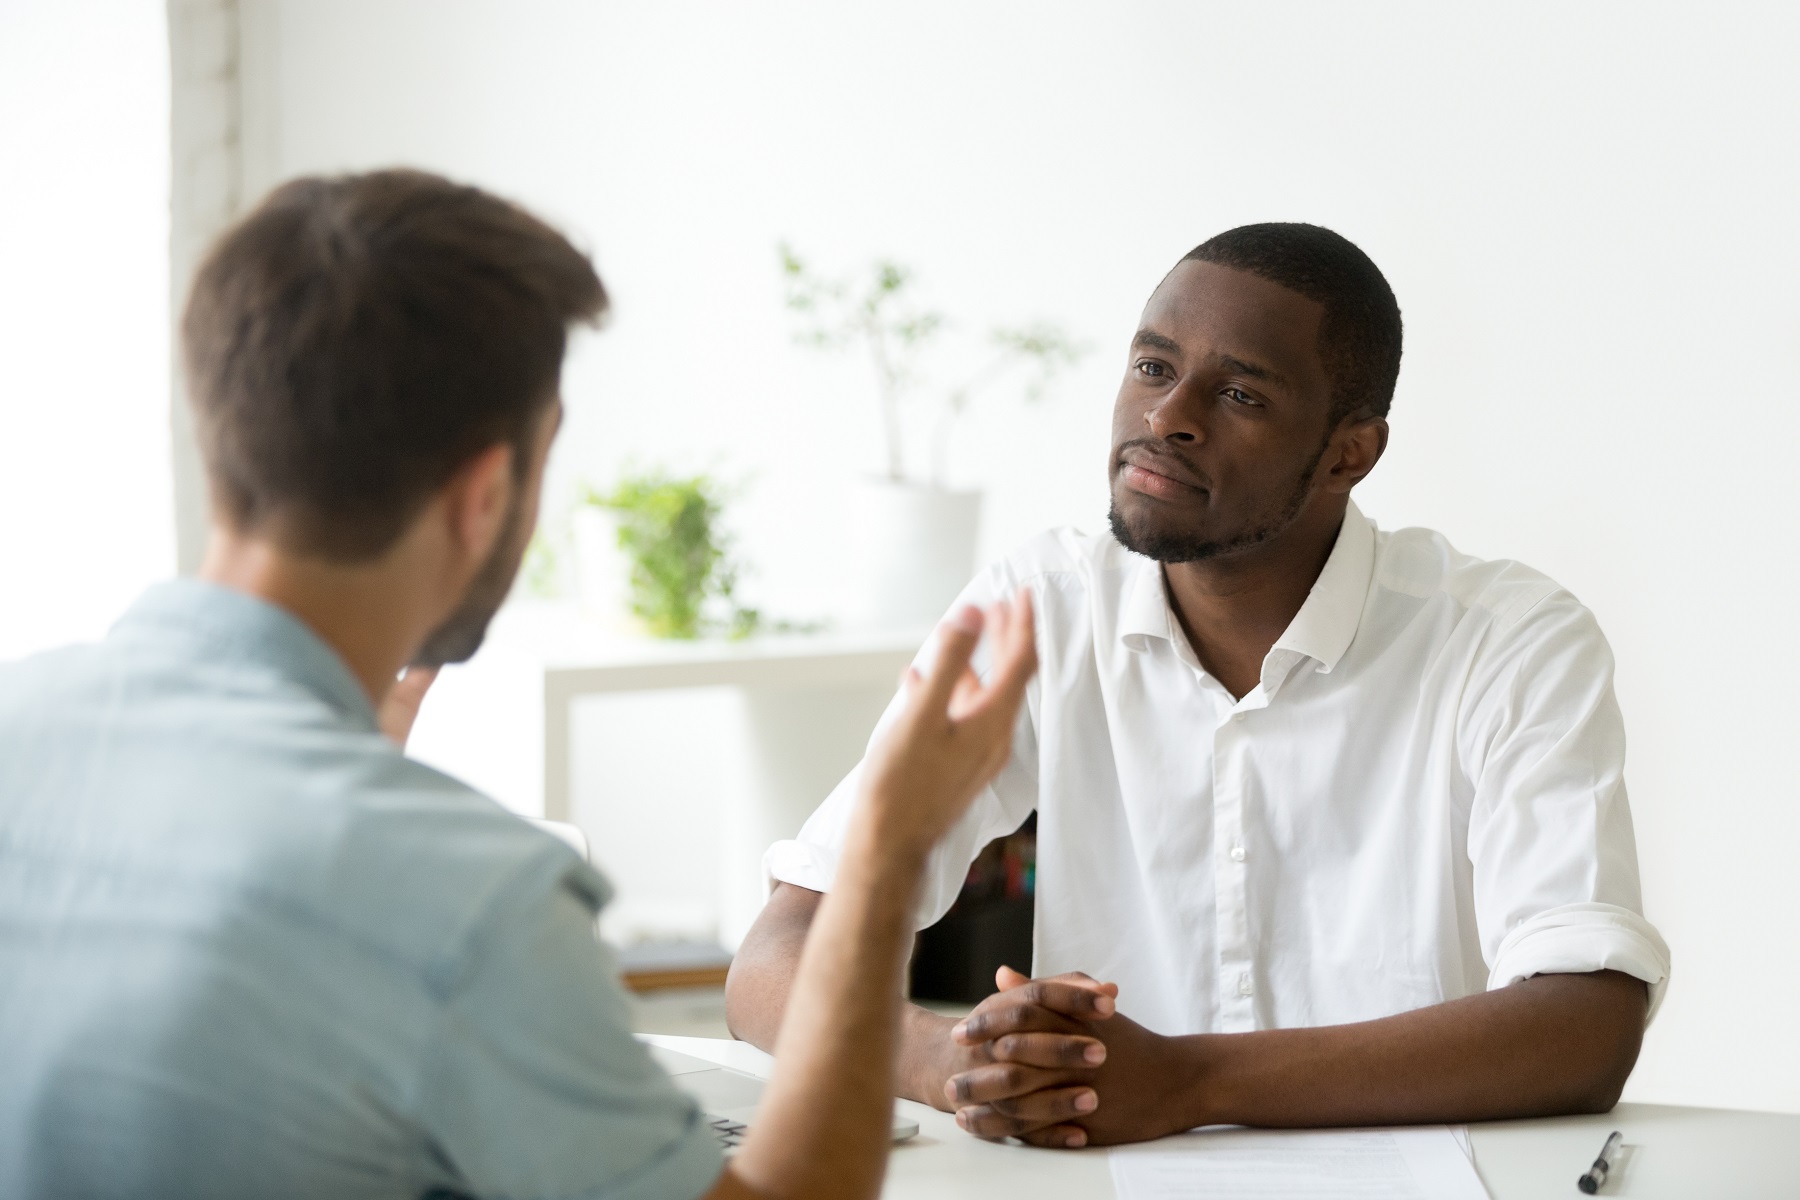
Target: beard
x=462, y=632
x=1182, y=546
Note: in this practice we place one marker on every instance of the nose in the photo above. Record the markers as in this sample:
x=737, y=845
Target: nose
x=1174, y=418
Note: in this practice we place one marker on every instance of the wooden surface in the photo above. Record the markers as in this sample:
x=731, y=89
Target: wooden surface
x=663, y=978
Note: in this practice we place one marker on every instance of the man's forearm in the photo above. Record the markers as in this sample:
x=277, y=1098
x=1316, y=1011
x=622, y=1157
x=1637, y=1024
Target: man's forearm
x=822, y=1127
x=762, y=970
x=1548, y=1045
x=762, y=976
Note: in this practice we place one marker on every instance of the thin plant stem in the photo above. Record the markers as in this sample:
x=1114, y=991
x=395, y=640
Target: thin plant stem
x=887, y=385
x=956, y=402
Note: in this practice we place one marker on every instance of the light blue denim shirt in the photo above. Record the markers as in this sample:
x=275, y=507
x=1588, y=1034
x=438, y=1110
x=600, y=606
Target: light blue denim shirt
x=247, y=948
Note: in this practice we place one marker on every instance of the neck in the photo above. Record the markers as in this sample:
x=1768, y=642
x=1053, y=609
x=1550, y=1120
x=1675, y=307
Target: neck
x=1234, y=608
x=360, y=610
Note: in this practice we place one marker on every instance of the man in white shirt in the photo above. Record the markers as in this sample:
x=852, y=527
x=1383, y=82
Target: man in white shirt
x=1338, y=812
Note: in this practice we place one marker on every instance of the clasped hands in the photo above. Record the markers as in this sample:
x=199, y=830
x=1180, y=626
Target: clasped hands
x=1052, y=1063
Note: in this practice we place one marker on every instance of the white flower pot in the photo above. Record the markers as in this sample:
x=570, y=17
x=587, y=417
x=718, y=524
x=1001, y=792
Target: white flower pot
x=915, y=552
x=602, y=570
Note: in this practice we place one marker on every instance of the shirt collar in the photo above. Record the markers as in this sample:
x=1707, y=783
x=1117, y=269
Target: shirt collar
x=1323, y=628
x=221, y=621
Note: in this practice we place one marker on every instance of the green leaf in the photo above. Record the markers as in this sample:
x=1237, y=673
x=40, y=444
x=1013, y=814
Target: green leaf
x=669, y=531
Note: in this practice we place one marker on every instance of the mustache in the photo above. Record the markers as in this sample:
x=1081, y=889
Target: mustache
x=1158, y=448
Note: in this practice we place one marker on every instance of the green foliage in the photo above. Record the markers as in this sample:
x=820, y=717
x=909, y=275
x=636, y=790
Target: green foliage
x=680, y=561
x=873, y=312
x=542, y=569
x=1044, y=347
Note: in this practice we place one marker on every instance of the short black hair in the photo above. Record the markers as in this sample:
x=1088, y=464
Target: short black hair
x=1359, y=339
x=356, y=339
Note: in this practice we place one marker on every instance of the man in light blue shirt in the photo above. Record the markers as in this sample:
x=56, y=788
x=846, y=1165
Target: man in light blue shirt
x=247, y=948
x=227, y=894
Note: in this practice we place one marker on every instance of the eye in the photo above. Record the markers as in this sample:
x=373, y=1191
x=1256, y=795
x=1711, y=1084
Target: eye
x=1151, y=368
x=1240, y=396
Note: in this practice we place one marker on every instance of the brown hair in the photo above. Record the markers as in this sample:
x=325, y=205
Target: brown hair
x=354, y=340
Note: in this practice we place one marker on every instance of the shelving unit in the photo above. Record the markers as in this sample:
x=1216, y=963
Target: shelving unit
x=504, y=722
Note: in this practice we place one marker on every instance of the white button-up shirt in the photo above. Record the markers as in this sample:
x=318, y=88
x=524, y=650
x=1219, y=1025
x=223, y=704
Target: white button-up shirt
x=1423, y=796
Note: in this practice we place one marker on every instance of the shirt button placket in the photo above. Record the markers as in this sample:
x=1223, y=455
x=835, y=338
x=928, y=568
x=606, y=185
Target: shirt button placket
x=1235, y=969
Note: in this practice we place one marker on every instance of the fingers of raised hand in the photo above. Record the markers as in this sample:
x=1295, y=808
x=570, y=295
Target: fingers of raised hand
x=967, y=696
x=1015, y=642
x=1012, y=648
x=957, y=638
x=1021, y=1115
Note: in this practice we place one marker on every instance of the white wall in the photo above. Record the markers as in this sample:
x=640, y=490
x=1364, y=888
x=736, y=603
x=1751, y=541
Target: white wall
x=1587, y=213
x=85, y=509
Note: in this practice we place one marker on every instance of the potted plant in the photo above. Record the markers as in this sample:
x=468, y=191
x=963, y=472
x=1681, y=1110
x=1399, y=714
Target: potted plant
x=917, y=534
x=680, y=576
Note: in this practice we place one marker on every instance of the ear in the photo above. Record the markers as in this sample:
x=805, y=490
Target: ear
x=1356, y=446
x=476, y=500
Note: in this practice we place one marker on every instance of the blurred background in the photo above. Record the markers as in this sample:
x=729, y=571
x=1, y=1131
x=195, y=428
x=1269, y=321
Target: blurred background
x=1585, y=210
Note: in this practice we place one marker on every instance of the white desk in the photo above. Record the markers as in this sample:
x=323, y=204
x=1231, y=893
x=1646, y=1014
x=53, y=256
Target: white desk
x=1677, y=1153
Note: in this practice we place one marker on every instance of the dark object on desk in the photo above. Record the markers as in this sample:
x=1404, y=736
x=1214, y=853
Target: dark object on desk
x=1595, y=1179
x=655, y=966
x=990, y=924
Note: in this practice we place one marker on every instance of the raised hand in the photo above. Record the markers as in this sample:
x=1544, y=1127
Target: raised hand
x=954, y=732
x=822, y=1127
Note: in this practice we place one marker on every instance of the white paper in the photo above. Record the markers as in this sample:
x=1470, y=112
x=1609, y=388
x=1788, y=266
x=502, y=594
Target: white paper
x=1425, y=1162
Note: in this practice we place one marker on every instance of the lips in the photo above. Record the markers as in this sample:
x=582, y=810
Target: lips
x=1156, y=475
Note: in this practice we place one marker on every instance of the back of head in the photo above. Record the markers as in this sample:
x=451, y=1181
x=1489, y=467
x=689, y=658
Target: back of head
x=1359, y=338
x=354, y=340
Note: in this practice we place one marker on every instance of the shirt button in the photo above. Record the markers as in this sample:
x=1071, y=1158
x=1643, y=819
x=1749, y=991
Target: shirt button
x=1238, y=854
x=1245, y=987
x=1237, y=716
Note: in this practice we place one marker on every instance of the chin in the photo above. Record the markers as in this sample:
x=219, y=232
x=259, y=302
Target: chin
x=1145, y=517
x=1136, y=529
x=1158, y=536
x=454, y=642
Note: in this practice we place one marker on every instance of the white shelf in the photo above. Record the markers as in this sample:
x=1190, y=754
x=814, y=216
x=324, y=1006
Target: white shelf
x=504, y=722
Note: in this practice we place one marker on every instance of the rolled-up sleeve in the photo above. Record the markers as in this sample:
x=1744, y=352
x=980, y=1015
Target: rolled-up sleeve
x=1556, y=886
x=534, y=1086
x=810, y=859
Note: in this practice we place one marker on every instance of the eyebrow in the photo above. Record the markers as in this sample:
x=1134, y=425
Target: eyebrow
x=1251, y=369
x=1155, y=341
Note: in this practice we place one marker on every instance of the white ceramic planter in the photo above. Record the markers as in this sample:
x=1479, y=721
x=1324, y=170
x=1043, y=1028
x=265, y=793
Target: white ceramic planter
x=916, y=551
x=602, y=570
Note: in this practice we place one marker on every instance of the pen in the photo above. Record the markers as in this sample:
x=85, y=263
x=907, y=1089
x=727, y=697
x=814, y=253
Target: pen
x=1595, y=1179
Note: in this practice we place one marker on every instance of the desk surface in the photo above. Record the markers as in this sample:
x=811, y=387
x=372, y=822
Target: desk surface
x=1677, y=1153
